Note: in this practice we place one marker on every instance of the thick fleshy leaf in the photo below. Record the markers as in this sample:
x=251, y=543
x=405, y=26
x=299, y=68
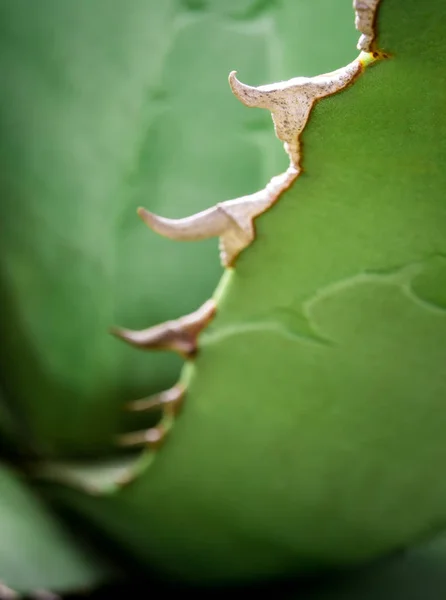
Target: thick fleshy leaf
x=313, y=427
x=36, y=553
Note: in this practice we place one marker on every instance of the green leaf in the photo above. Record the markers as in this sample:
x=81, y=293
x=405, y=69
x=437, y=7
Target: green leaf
x=313, y=429
x=35, y=550
x=77, y=107
x=336, y=472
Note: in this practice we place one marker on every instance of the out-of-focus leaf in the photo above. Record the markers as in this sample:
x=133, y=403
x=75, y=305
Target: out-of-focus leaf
x=35, y=551
x=418, y=574
x=107, y=105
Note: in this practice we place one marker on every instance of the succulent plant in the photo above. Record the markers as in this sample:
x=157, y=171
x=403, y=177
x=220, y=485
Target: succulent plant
x=305, y=427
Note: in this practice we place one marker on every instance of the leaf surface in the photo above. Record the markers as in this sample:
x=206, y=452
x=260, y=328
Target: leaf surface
x=315, y=408
x=36, y=553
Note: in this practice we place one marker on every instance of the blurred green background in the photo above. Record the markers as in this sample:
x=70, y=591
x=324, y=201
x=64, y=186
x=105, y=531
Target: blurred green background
x=107, y=105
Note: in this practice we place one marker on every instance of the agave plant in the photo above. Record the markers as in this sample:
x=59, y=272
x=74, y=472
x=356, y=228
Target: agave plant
x=278, y=412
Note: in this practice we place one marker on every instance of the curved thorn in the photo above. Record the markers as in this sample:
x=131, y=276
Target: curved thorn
x=290, y=102
x=247, y=94
x=232, y=220
x=169, y=400
x=206, y=224
x=179, y=336
x=365, y=17
x=151, y=438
